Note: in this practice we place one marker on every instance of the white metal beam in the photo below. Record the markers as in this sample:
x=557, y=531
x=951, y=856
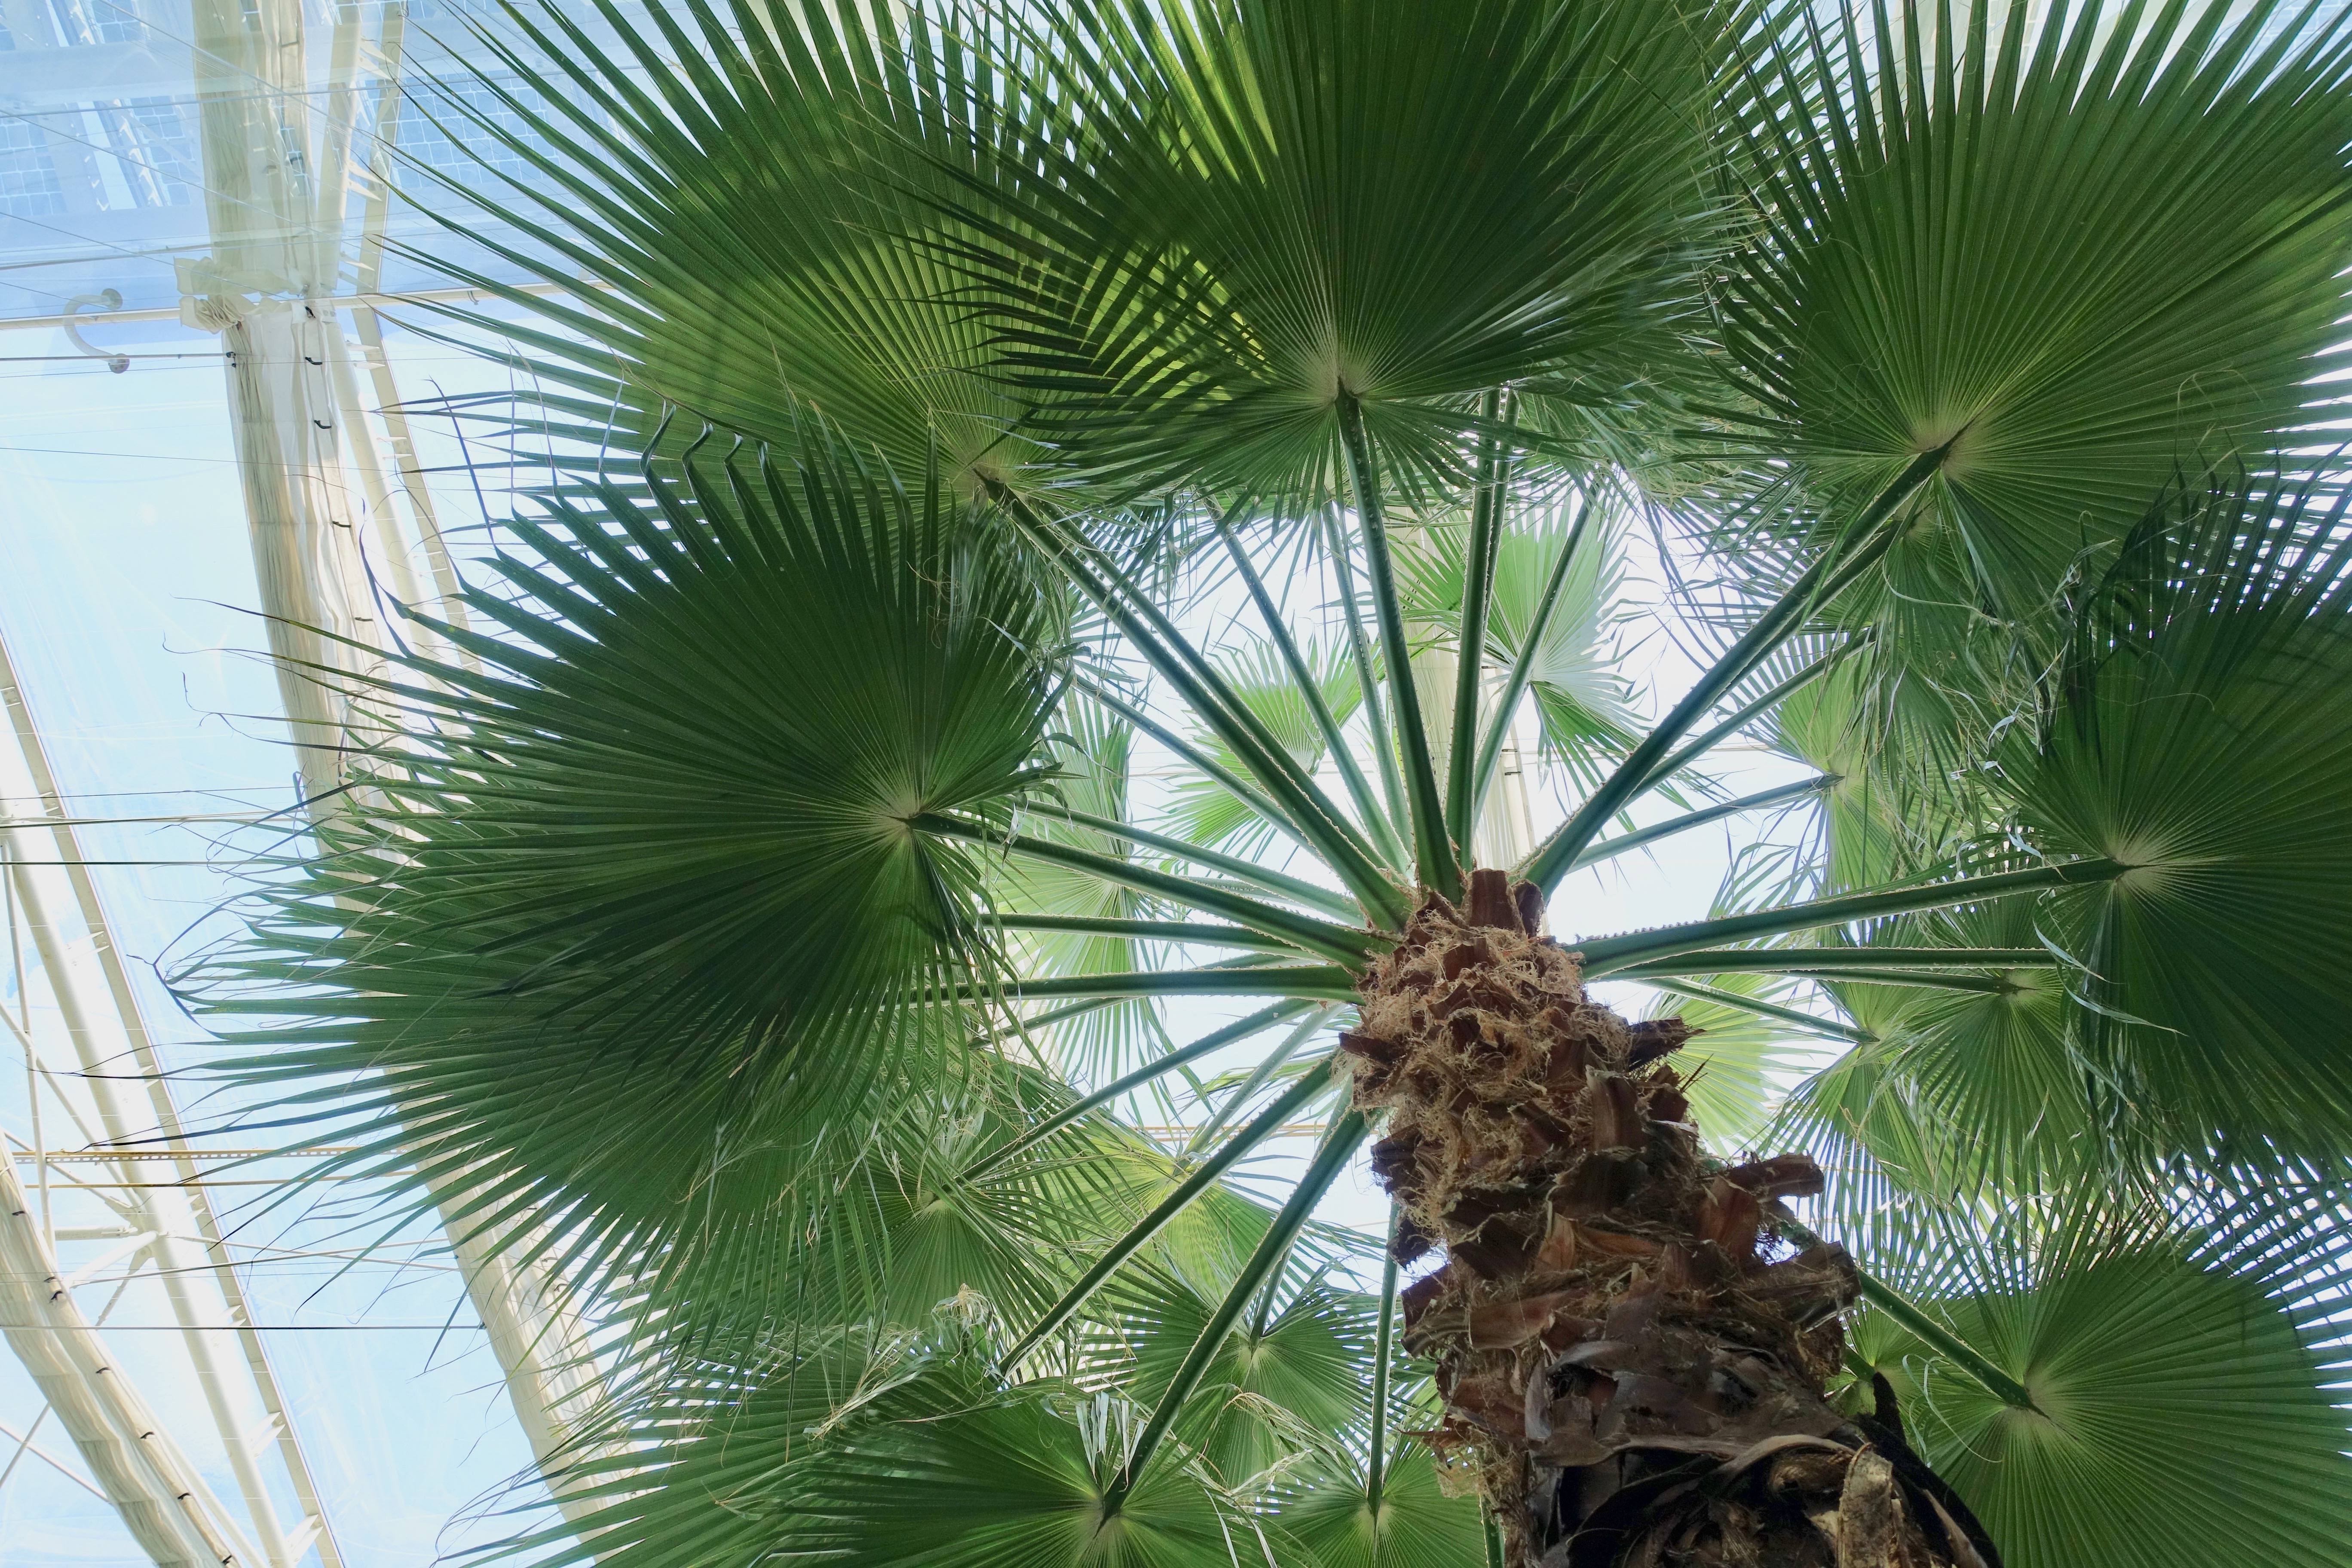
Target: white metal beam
x=90, y=987
x=367, y=298
x=164, y=1502
x=390, y=57
x=25, y=1444
x=294, y=403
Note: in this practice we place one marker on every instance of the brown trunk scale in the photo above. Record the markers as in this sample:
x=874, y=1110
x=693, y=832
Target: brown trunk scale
x=1632, y=1363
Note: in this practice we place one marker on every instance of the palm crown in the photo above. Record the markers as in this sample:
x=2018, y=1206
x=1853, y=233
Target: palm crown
x=746, y=906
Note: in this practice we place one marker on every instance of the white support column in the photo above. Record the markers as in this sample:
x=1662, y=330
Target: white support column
x=539, y=1340
x=261, y=159
x=300, y=517
x=296, y=402
x=1505, y=832
x=368, y=277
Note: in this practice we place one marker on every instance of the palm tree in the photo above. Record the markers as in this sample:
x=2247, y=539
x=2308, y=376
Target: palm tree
x=753, y=906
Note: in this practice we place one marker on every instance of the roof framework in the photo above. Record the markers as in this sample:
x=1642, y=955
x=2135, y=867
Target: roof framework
x=288, y=119
x=166, y=1229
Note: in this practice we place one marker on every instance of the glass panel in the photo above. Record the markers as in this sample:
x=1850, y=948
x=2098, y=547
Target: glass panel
x=128, y=602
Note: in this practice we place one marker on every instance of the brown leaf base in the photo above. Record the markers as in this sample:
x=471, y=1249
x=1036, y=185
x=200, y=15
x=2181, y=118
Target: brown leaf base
x=1632, y=1366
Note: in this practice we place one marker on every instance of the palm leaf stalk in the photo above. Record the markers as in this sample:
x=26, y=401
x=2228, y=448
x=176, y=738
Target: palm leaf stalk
x=1359, y=791
x=733, y=905
x=1368, y=670
x=1515, y=684
x=1435, y=858
x=1478, y=586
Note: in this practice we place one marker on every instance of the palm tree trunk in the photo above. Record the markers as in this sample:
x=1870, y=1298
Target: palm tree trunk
x=1633, y=1365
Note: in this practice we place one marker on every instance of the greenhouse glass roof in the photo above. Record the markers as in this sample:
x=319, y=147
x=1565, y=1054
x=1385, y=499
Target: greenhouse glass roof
x=312, y=1375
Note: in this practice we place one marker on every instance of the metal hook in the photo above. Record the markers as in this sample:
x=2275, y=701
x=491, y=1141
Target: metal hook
x=111, y=299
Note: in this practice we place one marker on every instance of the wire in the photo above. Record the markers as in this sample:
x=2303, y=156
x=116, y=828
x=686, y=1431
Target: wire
x=204, y=244
x=32, y=117
x=150, y=456
x=95, y=359
x=93, y=239
x=260, y=1328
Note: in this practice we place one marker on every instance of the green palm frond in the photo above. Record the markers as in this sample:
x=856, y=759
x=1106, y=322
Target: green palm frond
x=931, y=1461
x=1906, y=791
x=1740, y=1062
x=2172, y=1390
x=1583, y=704
x=1015, y=1485
x=1278, y=1389
x=640, y=896
x=823, y=1380
x=1929, y=184
x=1090, y=747
x=1200, y=811
x=2190, y=734
x=1324, y=1507
x=1090, y=767
x=2199, y=736
x=745, y=220
x=1278, y=207
x=1999, y=1063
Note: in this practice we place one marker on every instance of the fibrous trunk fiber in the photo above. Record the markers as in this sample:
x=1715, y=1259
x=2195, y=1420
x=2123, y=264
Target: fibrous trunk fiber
x=1632, y=1364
